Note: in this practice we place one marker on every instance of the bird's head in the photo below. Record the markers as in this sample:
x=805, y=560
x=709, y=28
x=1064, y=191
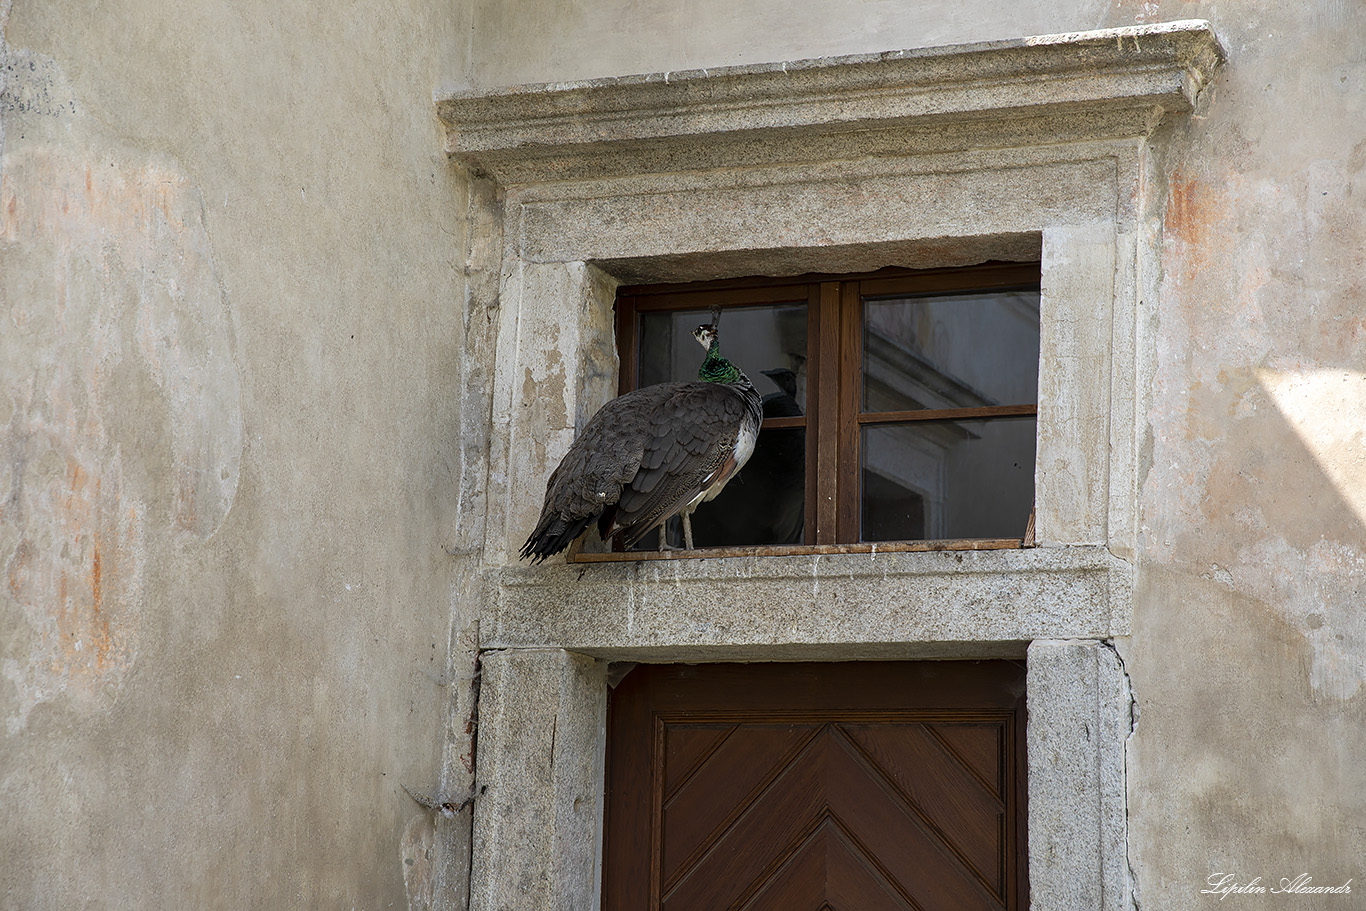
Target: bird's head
x=706, y=335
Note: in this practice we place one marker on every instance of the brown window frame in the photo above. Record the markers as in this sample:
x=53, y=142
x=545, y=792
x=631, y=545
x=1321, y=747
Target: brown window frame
x=834, y=387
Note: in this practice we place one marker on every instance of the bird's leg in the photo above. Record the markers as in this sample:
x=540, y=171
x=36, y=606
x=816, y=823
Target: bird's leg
x=687, y=531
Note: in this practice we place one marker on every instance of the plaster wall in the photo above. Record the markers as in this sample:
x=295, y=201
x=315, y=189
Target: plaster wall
x=244, y=417
x=231, y=359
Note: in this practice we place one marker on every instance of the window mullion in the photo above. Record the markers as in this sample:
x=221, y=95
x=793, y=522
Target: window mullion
x=628, y=332
x=850, y=371
x=827, y=413
x=813, y=360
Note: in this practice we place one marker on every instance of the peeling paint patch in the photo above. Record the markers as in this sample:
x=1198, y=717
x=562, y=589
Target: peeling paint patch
x=120, y=387
x=1316, y=593
x=33, y=84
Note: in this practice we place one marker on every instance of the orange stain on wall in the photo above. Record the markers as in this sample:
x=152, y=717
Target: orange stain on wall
x=1196, y=219
x=69, y=572
x=128, y=249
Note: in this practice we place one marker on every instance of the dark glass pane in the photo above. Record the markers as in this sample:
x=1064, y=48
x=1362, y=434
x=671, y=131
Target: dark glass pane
x=764, y=503
x=947, y=479
x=951, y=351
x=770, y=337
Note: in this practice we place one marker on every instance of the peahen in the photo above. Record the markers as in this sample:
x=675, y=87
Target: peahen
x=652, y=454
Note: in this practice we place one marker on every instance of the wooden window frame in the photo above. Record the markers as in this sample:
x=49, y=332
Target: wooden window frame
x=834, y=394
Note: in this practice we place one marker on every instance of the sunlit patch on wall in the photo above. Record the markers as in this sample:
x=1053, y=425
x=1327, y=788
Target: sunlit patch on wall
x=1326, y=407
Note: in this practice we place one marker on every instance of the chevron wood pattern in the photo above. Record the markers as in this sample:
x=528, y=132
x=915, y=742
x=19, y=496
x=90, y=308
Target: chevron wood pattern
x=872, y=786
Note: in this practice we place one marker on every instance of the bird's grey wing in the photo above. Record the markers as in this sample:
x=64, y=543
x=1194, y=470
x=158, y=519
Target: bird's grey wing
x=603, y=458
x=690, y=445
x=608, y=453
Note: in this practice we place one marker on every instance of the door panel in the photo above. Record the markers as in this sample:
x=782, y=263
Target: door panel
x=848, y=786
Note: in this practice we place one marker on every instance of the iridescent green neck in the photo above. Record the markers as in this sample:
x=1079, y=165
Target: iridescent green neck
x=716, y=369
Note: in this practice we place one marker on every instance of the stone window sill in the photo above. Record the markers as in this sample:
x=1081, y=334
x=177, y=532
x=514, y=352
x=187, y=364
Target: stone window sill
x=839, y=606
x=793, y=550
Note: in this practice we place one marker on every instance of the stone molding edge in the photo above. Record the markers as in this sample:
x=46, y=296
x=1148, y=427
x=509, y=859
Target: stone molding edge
x=805, y=567
x=633, y=609
x=1162, y=66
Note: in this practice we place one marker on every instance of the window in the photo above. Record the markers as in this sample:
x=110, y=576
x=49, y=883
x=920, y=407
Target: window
x=898, y=405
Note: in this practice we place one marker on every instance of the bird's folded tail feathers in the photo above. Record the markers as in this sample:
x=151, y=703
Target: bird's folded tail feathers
x=551, y=537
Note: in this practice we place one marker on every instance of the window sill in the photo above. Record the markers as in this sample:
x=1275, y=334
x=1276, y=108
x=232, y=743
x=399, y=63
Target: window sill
x=799, y=550
x=840, y=606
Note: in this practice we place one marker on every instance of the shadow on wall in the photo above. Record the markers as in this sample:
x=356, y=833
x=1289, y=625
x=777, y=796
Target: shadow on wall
x=1325, y=409
x=1259, y=445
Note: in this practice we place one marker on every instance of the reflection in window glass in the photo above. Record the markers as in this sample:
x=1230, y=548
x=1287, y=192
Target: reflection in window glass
x=764, y=503
x=947, y=479
x=954, y=351
x=754, y=338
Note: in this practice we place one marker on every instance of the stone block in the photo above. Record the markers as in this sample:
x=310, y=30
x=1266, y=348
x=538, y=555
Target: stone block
x=538, y=783
x=833, y=606
x=1080, y=711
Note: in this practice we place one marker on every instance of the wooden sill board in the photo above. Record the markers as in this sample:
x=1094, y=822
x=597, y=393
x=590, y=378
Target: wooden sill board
x=794, y=550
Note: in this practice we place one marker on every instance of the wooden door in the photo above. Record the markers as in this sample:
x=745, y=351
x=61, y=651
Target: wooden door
x=853, y=787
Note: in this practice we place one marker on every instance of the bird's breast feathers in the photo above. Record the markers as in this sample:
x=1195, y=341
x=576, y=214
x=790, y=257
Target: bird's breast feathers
x=740, y=452
x=744, y=443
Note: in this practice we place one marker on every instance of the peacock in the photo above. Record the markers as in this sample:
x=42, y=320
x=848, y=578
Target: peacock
x=652, y=454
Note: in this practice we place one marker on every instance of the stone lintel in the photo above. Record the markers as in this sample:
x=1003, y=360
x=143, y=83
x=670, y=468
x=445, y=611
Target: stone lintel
x=840, y=607
x=1143, y=70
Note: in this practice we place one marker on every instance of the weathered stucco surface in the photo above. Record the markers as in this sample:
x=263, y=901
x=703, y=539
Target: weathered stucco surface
x=1249, y=653
x=245, y=381
x=231, y=334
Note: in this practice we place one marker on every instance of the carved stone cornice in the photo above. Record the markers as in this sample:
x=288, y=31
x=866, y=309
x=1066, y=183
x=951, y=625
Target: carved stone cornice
x=1086, y=86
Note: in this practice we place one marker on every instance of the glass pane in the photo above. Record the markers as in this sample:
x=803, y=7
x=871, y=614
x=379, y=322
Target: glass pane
x=951, y=351
x=947, y=479
x=757, y=339
x=764, y=503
